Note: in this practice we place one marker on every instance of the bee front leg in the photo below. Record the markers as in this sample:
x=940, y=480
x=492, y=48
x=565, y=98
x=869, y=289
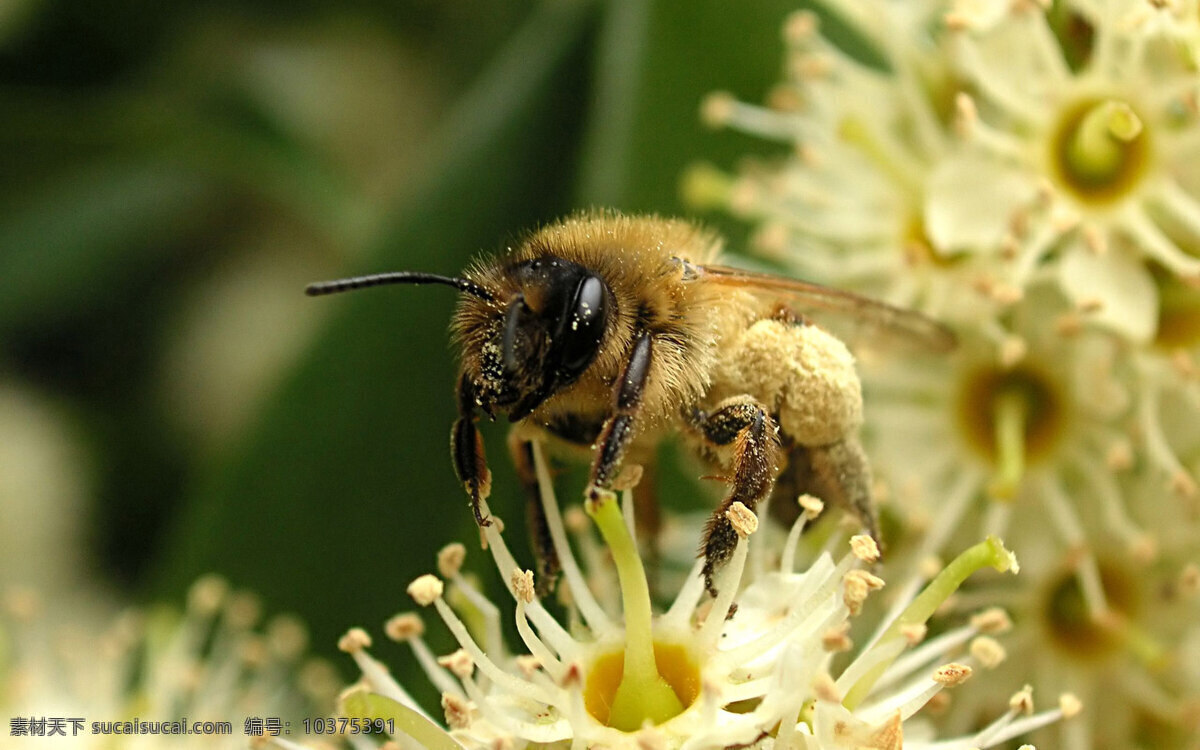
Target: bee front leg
x=466, y=449
x=548, y=563
x=745, y=424
x=619, y=428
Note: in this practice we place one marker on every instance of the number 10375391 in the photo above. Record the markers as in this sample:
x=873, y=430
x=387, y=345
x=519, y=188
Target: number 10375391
x=345, y=725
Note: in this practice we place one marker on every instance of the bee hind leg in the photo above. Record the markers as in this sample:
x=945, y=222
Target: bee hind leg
x=841, y=473
x=837, y=472
x=548, y=564
x=743, y=423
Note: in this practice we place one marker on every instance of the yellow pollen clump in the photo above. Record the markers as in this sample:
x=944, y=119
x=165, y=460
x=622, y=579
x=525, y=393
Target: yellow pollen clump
x=459, y=663
x=742, y=519
x=772, y=357
x=864, y=548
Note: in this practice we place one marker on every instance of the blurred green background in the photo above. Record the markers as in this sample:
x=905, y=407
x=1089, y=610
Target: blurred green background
x=174, y=173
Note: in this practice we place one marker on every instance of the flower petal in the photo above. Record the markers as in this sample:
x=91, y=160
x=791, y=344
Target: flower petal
x=970, y=200
x=1123, y=288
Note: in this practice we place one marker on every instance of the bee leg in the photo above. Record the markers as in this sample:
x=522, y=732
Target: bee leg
x=841, y=474
x=618, y=429
x=466, y=448
x=745, y=424
x=548, y=566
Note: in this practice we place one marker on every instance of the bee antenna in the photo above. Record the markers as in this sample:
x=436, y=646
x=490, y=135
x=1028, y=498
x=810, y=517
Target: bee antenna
x=396, y=277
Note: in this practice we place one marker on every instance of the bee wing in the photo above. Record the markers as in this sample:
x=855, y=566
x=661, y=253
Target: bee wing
x=885, y=322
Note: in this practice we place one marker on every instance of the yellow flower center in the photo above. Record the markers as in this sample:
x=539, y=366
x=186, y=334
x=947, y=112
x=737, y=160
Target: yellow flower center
x=1069, y=620
x=633, y=685
x=1100, y=150
x=604, y=675
x=1012, y=418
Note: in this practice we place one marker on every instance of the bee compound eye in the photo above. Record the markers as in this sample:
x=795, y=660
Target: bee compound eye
x=582, y=327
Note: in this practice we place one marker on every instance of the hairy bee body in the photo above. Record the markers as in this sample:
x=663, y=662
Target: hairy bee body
x=605, y=332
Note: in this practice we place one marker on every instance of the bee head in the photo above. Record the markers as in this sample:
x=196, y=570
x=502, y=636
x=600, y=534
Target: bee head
x=522, y=346
x=539, y=339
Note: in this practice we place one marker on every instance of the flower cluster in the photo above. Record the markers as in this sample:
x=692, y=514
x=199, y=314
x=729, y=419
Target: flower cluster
x=1027, y=172
x=756, y=667
x=143, y=675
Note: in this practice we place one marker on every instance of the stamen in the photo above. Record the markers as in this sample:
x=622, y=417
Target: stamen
x=1151, y=240
x=535, y=645
x=924, y=655
x=1158, y=446
x=588, y=606
x=710, y=631
x=484, y=662
x=1104, y=486
x=552, y=632
x=812, y=610
x=967, y=483
x=689, y=596
x=990, y=552
x=355, y=642
x=408, y=628
x=1070, y=527
x=1005, y=728
x=787, y=561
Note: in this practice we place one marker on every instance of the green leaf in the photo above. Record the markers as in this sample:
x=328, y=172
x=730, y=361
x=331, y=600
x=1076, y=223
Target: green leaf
x=74, y=240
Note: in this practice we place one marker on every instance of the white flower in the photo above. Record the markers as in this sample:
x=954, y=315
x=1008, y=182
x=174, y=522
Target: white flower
x=143, y=673
x=961, y=211
x=1027, y=172
x=1032, y=432
x=1093, y=159
x=850, y=205
x=991, y=144
x=1124, y=639
x=751, y=668
x=1017, y=413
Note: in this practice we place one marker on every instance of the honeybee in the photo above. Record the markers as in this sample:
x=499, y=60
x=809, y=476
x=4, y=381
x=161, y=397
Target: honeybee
x=604, y=333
